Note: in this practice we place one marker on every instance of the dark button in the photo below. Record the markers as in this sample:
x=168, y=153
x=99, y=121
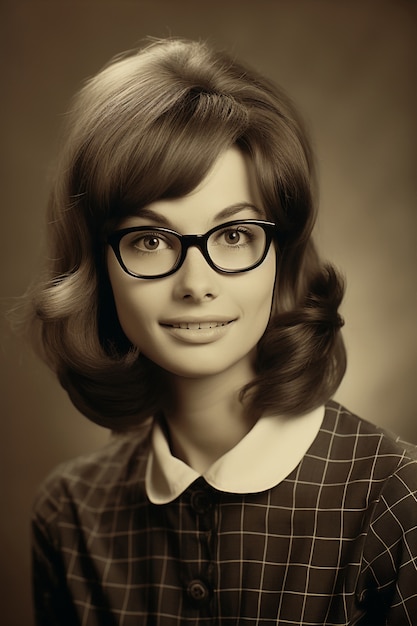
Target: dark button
x=201, y=502
x=198, y=591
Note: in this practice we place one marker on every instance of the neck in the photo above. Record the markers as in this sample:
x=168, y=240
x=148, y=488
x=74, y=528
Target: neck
x=206, y=418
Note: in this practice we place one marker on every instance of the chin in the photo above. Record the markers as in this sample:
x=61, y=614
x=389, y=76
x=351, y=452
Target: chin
x=241, y=370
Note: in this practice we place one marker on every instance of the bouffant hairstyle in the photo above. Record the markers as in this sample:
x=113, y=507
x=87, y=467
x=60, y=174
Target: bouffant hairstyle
x=149, y=126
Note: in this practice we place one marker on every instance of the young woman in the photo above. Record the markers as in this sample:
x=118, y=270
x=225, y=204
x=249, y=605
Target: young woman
x=186, y=308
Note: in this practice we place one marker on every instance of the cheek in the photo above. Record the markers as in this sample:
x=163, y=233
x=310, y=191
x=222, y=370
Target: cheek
x=133, y=307
x=265, y=281
x=259, y=293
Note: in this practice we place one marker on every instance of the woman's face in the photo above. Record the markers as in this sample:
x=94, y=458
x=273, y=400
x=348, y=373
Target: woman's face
x=198, y=322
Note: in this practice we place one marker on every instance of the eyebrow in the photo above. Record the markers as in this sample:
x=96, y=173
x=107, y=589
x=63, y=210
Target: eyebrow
x=227, y=213
x=234, y=209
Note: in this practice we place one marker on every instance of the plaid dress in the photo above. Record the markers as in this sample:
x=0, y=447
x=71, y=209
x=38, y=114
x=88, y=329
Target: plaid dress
x=334, y=542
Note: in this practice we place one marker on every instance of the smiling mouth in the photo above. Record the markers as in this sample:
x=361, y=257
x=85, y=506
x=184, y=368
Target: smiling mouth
x=197, y=325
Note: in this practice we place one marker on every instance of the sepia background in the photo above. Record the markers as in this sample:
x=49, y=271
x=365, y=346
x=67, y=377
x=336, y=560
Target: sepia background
x=351, y=68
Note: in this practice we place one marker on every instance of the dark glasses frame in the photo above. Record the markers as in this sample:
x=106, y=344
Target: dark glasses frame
x=190, y=241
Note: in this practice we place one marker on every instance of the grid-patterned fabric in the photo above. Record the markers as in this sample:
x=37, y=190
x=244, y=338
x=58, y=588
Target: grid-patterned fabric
x=333, y=543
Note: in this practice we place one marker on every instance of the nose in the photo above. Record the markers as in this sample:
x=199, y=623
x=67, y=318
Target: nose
x=196, y=281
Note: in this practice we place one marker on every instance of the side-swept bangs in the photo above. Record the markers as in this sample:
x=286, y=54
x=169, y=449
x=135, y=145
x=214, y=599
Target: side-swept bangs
x=156, y=138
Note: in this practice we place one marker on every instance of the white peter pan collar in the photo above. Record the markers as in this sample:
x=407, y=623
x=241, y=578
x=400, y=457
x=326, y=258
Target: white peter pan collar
x=258, y=462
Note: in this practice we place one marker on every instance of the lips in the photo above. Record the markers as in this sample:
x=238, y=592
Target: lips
x=197, y=325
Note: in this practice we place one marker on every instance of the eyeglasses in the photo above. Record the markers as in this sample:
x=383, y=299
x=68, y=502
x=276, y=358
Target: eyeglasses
x=230, y=248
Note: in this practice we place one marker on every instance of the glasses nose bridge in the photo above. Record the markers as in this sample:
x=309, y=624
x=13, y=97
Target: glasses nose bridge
x=194, y=241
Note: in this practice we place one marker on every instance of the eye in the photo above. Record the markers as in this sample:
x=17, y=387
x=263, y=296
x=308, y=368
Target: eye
x=235, y=237
x=232, y=236
x=150, y=242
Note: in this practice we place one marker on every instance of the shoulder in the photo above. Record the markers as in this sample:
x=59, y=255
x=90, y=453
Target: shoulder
x=381, y=472
x=94, y=481
x=383, y=468
x=366, y=440
x=371, y=462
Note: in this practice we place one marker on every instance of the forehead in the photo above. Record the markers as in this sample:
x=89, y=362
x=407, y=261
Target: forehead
x=229, y=191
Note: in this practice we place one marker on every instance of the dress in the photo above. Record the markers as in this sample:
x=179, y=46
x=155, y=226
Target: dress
x=333, y=542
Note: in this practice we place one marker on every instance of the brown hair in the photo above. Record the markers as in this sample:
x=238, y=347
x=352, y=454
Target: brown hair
x=149, y=126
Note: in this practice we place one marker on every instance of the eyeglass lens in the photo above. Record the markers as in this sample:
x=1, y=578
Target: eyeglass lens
x=156, y=251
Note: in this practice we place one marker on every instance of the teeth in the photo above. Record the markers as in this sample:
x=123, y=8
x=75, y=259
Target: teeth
x=198, y=325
